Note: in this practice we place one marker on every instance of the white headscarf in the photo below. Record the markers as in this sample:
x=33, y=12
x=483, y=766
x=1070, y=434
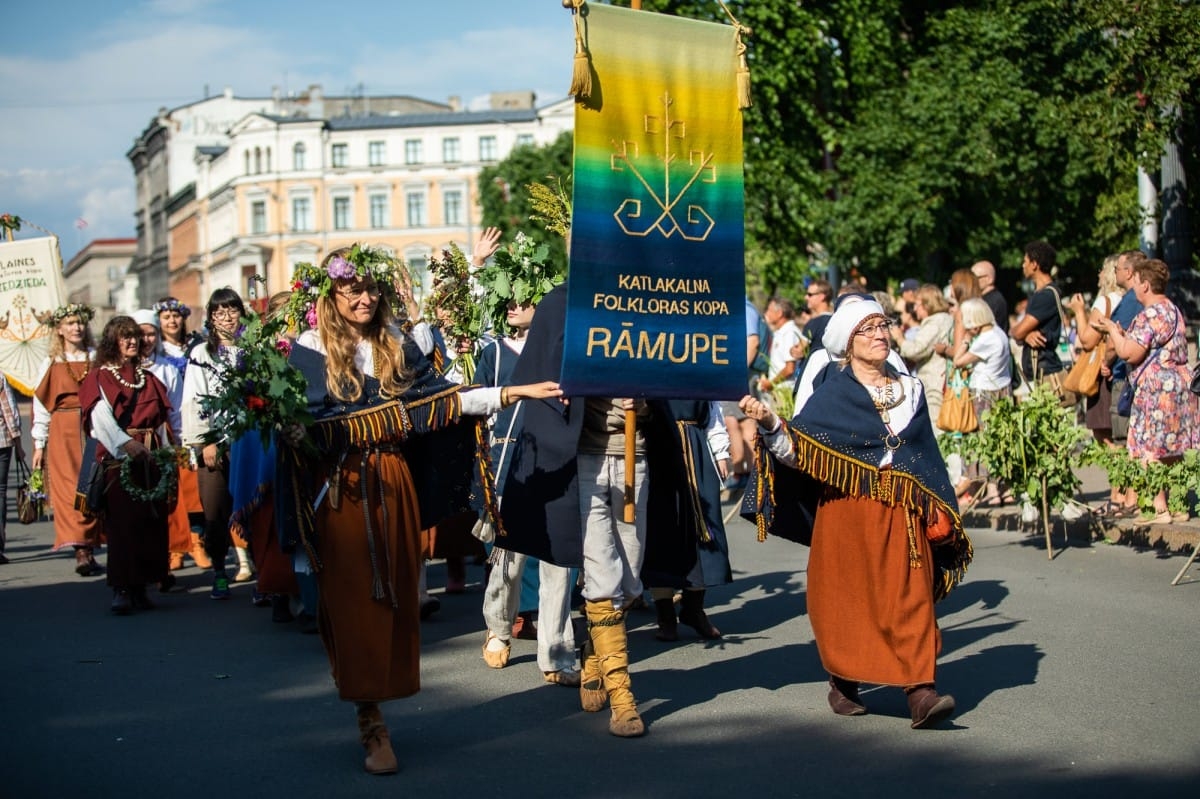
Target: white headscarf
x=144, y=316
x=845, y=321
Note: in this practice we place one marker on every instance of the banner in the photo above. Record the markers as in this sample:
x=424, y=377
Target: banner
x=31, y=288
x=656, y=288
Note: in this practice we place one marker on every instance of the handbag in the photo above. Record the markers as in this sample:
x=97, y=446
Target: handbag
x=30, y=507
x=1084, y=377
x=958, y=412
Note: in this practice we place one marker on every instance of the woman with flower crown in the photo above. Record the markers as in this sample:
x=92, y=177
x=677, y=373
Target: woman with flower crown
x=399, y=446
x=211, y=363
x=124, y=407
x=57, y=431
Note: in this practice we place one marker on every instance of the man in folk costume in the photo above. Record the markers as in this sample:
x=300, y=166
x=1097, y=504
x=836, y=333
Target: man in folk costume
x=562, y=503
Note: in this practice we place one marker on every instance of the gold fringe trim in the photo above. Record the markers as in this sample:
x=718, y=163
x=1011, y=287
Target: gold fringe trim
x=889, y=486
x=581, y=69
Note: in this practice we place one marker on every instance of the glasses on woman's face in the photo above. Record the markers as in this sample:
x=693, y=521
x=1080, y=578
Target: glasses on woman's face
x=354, y=292
x=225, y=313
x=870, y=331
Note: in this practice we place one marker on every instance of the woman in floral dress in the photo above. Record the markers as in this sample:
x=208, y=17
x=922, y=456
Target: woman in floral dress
x=1163, y=419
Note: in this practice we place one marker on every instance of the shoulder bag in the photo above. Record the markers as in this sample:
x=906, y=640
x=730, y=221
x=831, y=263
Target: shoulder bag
x=958, y=412
x=29, y=509
x=1084, y=377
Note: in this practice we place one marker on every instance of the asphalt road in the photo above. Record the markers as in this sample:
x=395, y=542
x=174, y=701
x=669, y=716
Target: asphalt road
x=1074, y=677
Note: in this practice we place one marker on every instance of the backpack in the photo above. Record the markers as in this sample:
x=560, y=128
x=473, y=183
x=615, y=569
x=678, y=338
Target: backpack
x=762, y=360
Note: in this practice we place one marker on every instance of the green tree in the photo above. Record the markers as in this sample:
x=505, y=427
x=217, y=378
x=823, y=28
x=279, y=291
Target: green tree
x=505, y=200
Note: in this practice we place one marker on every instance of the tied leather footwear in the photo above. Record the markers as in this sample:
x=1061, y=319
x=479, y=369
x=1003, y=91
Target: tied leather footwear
x=122, y=605
x=928, y=708
x=176, y=561
x=843, y=698
x=692, y=614
x=592, y=696
x=668, y=625
x=606, y=628
x=82, y=567
x=567, y=677
x=496, y=657
x=373, y=734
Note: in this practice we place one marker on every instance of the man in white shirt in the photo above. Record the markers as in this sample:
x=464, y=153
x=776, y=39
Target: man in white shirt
x=780, y=315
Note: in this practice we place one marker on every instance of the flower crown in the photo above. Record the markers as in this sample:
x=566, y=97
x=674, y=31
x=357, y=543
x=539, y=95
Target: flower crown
x=172, y=304
x=83, y=311
x=309, y=283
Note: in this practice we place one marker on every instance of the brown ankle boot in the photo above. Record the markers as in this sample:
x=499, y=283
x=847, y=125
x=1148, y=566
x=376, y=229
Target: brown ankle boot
x=201, y=558
x=927, y=707
x=606, y=626
x=373, y=734
x=843, y=697
x=82, y=567
x=692, y=614
x=668, y=625
x=592, y=696
x=175, y=563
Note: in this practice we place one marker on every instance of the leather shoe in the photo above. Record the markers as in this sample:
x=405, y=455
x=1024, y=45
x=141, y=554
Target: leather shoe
x=140, y=600
x=928, y=708
x=843, y=698
x=122, y=605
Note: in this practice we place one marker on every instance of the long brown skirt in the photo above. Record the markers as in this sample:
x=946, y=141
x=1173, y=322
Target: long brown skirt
x=136, y=530
x=871, y=611
x=64, y=455
x=275, y=572
x=374, y=645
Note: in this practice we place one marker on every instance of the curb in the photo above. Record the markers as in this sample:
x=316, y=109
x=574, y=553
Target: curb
x=1178, y=538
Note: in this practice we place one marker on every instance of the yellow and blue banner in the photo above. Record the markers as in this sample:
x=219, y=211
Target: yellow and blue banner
x=656, y=295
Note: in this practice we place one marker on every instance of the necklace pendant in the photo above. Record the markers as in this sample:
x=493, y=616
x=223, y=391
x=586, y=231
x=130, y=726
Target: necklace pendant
x=885, y=416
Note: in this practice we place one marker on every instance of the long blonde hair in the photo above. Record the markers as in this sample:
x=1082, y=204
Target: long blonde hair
x=1108, y=276
x=343, y=380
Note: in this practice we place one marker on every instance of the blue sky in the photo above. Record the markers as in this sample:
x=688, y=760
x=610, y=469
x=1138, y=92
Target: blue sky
x=79, y=80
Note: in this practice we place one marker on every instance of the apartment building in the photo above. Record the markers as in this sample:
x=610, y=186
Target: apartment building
x=285, y=184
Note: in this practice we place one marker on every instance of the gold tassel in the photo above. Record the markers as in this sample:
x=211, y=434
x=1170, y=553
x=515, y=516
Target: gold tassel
x=581, y=71
x=743, y=68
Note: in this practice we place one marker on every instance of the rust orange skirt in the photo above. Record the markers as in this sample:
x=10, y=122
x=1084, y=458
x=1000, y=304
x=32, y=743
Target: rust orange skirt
x=871, y=611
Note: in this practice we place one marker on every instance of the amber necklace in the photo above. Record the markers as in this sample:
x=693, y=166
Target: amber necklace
x=87, y=367
x=139, y=381
x=886, y=398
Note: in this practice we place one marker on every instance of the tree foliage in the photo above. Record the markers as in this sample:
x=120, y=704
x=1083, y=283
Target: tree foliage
x=913, y=138
x=507, y=202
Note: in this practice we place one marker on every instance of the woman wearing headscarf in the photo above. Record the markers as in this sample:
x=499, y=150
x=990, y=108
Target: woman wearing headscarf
x=864, y=484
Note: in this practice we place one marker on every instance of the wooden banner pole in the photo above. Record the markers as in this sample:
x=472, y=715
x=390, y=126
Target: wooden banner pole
x=630, y=419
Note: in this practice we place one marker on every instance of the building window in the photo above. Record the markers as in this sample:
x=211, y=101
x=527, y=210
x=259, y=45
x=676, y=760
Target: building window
x=451, y=150
x=452, y=206
x=247, y=162
x=412, y=151
x=376, y=153
x=415, y=200
x=524, y=139
x=487, y=148
x=338, y=155
x=268, y=161
x=298, y=156
x=257, y=161
x=258, y=217
x=301, y=214
x=341, y=213
x=379, y=210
